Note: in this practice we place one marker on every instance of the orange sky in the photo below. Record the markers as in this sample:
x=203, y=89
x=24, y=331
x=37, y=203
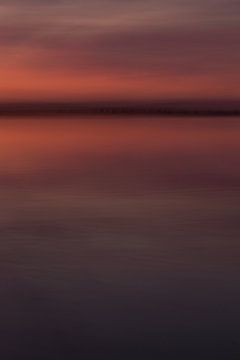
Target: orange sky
x=26, y=84
x=104, y=49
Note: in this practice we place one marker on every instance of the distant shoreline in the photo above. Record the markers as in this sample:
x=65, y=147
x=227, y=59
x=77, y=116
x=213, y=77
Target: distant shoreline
x=178, y=109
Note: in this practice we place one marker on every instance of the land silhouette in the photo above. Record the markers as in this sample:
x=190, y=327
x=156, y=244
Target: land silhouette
x=121, y=107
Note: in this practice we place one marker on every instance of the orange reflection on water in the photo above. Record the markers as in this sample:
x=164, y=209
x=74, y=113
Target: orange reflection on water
x=160, y=152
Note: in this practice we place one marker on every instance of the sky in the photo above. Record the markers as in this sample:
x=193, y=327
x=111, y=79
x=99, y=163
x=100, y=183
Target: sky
x=112, y=49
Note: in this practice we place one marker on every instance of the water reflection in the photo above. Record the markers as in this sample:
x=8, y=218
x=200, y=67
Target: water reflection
x=119, y=238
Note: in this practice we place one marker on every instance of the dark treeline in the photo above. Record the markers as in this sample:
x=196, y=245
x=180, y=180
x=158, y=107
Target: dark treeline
x=170, y=108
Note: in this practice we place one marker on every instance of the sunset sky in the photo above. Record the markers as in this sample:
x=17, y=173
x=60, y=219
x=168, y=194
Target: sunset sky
x=115, y=49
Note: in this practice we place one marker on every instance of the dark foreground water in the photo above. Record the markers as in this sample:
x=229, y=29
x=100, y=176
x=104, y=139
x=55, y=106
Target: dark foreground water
x=120, y=239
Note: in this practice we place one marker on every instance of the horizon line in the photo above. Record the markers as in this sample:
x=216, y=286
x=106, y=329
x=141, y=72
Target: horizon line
x=190, y=107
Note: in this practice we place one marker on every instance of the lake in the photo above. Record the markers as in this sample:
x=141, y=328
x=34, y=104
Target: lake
x=120, y=238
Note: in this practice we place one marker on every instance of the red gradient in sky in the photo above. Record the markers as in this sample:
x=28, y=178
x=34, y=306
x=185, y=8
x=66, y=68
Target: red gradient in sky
x=111, y=49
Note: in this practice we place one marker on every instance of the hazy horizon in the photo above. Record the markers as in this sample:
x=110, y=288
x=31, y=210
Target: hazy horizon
x=119, y=179
x=190, y=107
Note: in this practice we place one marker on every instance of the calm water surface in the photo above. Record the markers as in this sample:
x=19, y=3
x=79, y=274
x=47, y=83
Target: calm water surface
x=120, y=238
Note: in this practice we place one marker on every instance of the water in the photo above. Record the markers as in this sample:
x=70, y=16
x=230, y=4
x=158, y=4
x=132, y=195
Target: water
x=120, y=238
